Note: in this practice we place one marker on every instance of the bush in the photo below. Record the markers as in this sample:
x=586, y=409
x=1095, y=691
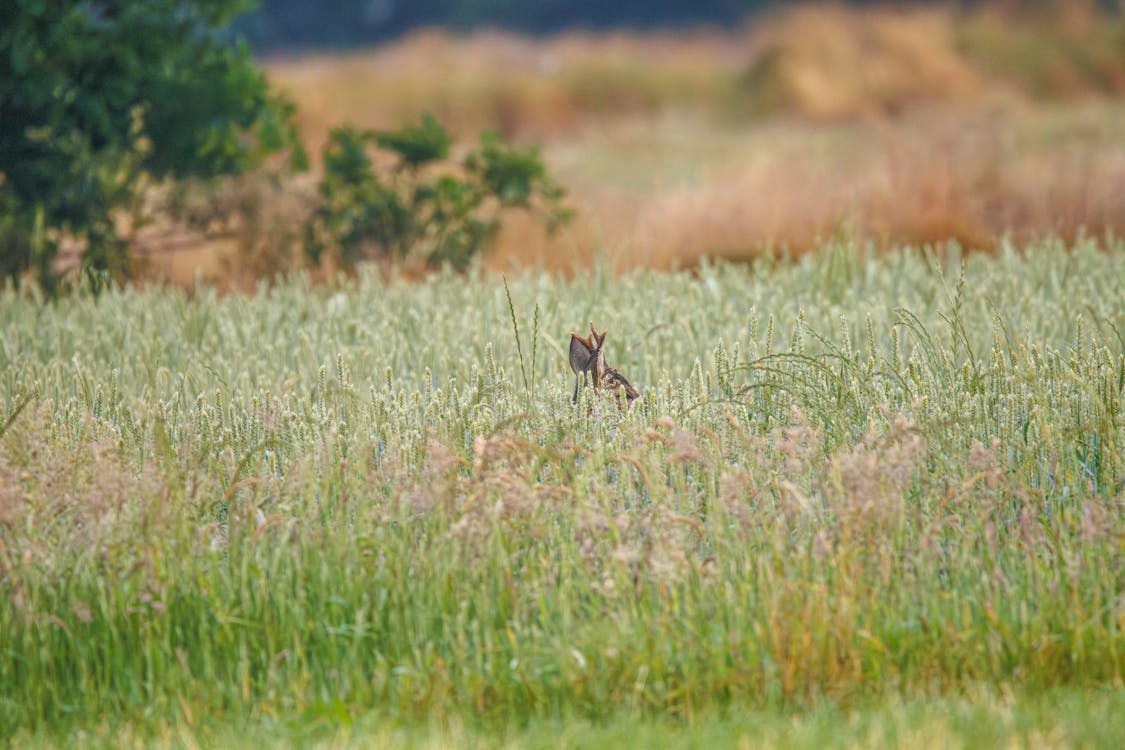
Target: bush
x=425, y=207
x=98, y=98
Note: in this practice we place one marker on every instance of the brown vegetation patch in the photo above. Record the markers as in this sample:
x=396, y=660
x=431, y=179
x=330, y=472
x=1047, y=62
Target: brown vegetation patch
x=519, y=86
x=897, y=126
x=830, y=61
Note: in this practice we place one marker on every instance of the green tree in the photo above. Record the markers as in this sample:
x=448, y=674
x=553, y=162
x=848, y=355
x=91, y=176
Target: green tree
x=95, y=97
x=426, y=206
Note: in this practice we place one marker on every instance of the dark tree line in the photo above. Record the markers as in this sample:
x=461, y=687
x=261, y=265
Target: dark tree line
x=284, y=24
x=279, y=24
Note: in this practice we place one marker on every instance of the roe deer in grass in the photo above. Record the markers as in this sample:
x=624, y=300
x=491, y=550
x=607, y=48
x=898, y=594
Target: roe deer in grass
x=588, y=356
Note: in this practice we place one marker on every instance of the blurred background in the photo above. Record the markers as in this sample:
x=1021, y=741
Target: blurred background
x=732, y=128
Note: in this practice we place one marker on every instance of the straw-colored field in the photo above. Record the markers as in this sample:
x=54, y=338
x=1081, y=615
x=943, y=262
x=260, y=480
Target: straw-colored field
x=902, y=127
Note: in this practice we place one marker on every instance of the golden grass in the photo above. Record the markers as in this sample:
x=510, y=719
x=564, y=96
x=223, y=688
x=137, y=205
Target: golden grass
x=521, y=87
x=1071, y=53
x=813, y=60
x=909, y=126
x=970, y=176
x=830, y=61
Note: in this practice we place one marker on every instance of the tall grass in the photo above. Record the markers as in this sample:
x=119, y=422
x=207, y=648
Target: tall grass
x=815, y=60
x=903, y=126
x=849, y=479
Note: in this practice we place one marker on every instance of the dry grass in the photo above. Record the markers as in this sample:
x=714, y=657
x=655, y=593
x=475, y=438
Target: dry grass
x=1072, y=53
x=973, y=176
x=820, y=61
x=830, y=61
x=519, y=86
x=904, y=127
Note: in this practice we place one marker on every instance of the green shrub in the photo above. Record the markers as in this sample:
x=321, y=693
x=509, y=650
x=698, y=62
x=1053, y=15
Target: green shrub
x=426, y=206
x=97, y=98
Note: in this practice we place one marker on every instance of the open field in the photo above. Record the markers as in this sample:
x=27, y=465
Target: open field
x=821, y=61
x=1056, y=719
x=666, y=192
x=899, y=126
x=875, y=497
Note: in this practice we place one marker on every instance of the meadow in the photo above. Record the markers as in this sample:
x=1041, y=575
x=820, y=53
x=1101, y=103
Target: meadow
x=867, y=498
x=903, y=126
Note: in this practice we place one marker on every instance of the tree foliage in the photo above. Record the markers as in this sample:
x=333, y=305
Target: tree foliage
x=425, y=206
x=98, y=97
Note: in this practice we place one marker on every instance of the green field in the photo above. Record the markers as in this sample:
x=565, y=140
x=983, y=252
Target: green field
x=863, y=501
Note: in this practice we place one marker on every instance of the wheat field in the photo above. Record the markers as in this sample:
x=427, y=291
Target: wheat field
x=865, y=499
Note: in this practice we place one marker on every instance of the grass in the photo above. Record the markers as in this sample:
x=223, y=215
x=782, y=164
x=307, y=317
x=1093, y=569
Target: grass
x=1058, y=718
x=741, y=193
x=519, y=86
x=666, y=192
x=903, y=127
x=886, y=488
x=821, y=61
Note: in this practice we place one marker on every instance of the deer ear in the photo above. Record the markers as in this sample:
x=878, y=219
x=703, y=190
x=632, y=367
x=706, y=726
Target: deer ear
x=596, y=337
x=581, y=353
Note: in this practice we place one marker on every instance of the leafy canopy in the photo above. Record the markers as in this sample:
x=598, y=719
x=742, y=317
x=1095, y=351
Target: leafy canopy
x=96, y=97
x=427, y=206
